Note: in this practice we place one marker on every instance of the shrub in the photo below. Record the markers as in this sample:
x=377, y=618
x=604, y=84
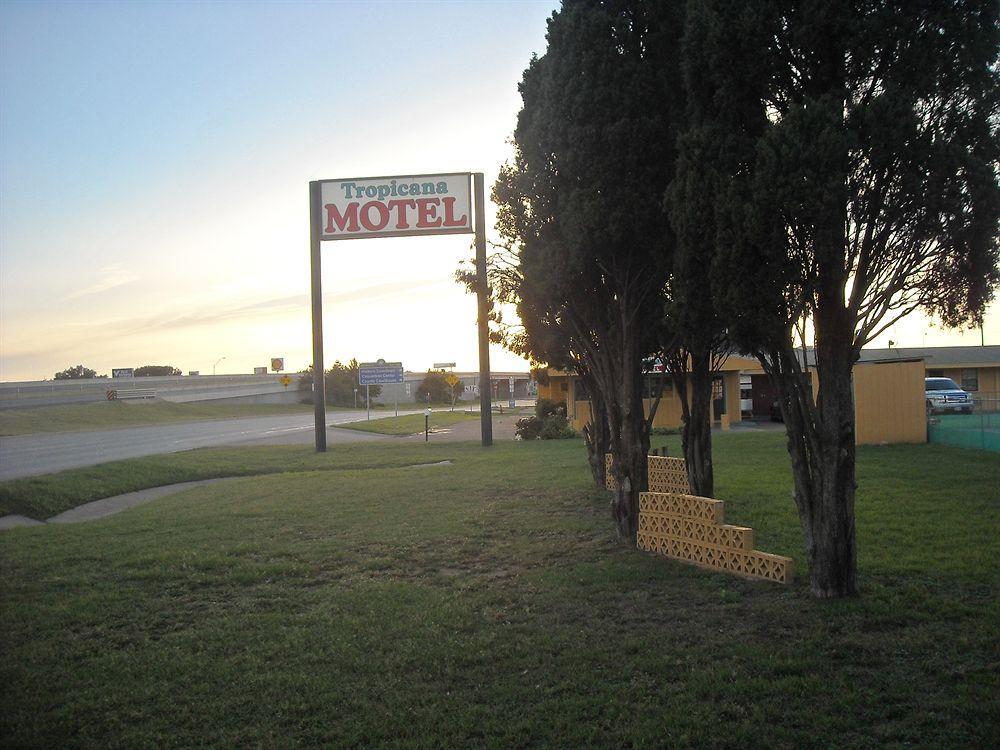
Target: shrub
x=548, y=423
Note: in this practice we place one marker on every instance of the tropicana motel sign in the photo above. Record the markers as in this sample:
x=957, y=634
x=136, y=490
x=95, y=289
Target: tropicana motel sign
x=397, y=206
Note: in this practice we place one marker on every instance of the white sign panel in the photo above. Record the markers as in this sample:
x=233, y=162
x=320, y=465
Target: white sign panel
x=367, y=207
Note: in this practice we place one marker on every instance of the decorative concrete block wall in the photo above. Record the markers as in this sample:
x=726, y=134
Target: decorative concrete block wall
x=682, y=526
x=666, y=474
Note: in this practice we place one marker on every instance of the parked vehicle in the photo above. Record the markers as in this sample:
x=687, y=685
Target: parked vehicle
x=945, y=397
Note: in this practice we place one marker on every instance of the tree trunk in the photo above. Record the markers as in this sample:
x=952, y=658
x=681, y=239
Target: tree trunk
x=595, y=434
x=821, y=447
x=834, y=563
x=630, y=442
x=697, y=433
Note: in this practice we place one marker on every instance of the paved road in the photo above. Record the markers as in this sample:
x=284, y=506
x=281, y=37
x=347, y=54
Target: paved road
x=28, y=455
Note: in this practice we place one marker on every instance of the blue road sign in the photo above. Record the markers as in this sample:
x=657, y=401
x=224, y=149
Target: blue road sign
x=391, y=372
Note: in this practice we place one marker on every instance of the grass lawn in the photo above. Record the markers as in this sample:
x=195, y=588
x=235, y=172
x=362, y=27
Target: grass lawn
x=410, y=424
x=110, y=414
x=352, y=601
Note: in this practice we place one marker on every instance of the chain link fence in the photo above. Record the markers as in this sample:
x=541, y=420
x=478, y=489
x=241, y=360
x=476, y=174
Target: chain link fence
x=980, y=429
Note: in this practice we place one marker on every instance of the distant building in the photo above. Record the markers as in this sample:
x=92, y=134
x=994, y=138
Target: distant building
x=405, y=392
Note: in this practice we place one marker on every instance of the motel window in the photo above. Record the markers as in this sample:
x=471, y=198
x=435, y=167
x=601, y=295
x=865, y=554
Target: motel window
x=970, y=380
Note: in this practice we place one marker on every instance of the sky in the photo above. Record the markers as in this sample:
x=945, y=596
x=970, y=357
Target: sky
x=154, y=169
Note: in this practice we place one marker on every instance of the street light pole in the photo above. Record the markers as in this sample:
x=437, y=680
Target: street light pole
x=216, y=364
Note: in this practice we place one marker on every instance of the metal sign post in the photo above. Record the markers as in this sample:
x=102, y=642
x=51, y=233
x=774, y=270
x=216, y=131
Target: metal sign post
x=397, y=206
x=319, y=386
x=482, y=287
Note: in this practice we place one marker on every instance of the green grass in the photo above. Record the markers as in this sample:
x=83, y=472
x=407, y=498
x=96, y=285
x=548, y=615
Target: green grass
x=50, y=494
x=353, y=602
x=411, y=424
x=111, y=414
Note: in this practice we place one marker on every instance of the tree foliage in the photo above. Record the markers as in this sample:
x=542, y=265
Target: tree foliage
x=340, y=382
x=853, y=152
x=434, y=388
x=75, y=373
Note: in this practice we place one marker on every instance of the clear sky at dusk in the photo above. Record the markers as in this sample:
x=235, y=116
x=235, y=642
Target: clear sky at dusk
x=155, y=162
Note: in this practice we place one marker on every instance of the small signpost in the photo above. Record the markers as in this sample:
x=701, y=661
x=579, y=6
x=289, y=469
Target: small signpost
x=285, y=381
x=452, y=381
x=277, y=364
x=510, y=401
x=397, y=206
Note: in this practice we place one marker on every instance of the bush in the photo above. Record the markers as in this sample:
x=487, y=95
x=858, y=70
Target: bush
x=545, y=407
x=549, y=423
x=556, y=428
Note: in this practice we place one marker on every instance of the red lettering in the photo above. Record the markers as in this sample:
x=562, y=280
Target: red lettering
x=449, y=214
x=383, y=216
x=426, y=212
x=401, y=222
x=348, y=222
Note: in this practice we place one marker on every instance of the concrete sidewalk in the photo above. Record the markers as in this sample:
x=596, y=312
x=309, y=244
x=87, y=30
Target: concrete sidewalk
x=109, y=505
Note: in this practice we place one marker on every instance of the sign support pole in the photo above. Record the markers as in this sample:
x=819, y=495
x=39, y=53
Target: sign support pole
x=319, y=385
x=482, y=285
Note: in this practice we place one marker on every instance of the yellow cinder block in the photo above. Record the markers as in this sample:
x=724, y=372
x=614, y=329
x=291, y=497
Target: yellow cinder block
x=682, y=527
x=673, y=503
x=752, y=563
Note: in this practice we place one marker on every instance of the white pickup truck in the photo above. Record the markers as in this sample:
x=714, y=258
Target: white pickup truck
x=944, y=396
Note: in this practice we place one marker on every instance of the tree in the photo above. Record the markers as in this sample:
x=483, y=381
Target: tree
x=155, y=370
x=340, y=382
x=858, y=183
x=696, y=323
x=541, y=336
x=434, y=388
x=75, y=373
x=582, y=201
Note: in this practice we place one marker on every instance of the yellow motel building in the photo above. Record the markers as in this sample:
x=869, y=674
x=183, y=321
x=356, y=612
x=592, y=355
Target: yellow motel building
x=889, y=394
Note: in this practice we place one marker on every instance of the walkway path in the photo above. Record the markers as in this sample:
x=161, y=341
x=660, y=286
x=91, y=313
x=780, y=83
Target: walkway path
x=108, y=505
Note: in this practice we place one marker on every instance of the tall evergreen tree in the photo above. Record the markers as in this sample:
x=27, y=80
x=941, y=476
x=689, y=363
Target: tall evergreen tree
x=857, y=182
x=583, y=201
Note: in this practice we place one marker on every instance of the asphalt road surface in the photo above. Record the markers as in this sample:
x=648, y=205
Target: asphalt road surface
x=28, y=455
